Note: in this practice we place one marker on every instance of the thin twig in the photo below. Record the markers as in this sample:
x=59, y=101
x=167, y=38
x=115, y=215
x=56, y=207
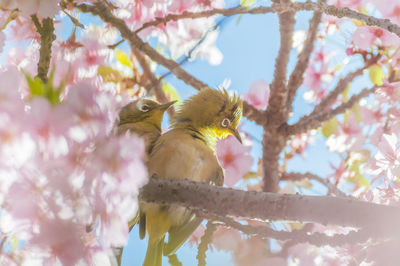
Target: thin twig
x=204, y=242
x=317, y=120
x=295, y=237
x=47, y=36
x=283, y=7
x=332, y=189
x=296, y=78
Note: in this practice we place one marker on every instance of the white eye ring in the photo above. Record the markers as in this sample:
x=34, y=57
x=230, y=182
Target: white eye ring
x=225, y=122
x=144, y=108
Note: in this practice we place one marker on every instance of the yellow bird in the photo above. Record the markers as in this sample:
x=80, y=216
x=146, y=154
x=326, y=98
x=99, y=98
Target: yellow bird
x=142, y=117
x=187, y=151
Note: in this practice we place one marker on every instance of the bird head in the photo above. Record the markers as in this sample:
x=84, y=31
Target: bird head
x=143, y=110
x=213, y=112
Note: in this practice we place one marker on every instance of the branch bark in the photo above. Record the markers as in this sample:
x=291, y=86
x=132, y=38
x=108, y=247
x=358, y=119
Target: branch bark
x=283, y=7
x=47, y=36
x=382, y=219
x=274, y=142
x=296, y=78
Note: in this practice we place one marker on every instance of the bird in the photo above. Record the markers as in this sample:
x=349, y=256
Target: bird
x=187, y=151
x=142, y=117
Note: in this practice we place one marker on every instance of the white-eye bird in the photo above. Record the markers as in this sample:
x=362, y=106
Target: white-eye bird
x=187, y=151
x=142, y=117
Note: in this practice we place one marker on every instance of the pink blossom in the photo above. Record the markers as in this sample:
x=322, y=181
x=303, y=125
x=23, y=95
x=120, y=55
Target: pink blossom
x=388, y=91
x=226, y=239
x=234, y=158
x=46, y=8
x=365, y=36
x=258, y=94
x=389, y=9
x=387, y=158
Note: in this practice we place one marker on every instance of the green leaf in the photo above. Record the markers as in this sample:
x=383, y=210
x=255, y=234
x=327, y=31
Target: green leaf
x=376, y=75
x=329, y=127
x=170, y=91
x=36, y=86
x=123, y=58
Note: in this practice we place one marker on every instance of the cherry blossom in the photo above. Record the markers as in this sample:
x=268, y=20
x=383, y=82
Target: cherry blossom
x=258, y=94
x=365, y=37
x=234, y=158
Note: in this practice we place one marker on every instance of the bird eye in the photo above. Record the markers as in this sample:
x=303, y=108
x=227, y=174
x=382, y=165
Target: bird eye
x=225, y=122
x=144, y=108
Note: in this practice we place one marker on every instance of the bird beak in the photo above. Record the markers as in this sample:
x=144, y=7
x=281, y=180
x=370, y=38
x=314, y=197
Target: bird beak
x=165, y=106
x=235, y=132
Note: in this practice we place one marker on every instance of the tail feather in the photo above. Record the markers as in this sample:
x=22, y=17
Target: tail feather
x=154, y=253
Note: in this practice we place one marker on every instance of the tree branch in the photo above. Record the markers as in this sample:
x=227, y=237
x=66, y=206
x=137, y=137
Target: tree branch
x=315, y=121
x=274, y=207
x=341, y=86
x=279, y=8
x=101, y=10
x=296, y=78
x=295, y=237
x=47, y=37
x=332, y=189
x=273, y=141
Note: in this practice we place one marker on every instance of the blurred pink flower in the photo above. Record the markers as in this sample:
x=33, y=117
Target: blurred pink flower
x=234, y=158
x=365, y=36
x=387, y=158
x=226, y=239
x=258, y=94
x=390, y=9
x=2, y=39
x=45, y=8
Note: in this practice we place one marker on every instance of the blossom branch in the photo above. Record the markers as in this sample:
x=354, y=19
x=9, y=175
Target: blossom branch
x=332, y=189
x=295, y=237
x=221, y=201
x=47, y=36
x=316, y=120
x=296, y=78
x=103, y=11
x=279, y=8
x=273, y=141
x=341, y=86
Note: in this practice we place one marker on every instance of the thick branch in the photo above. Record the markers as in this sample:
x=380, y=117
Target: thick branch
x=270, y=206
x=332, y=189
x=316, y=120
x=273, y=141
x=47, y=37
x=296, y=78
